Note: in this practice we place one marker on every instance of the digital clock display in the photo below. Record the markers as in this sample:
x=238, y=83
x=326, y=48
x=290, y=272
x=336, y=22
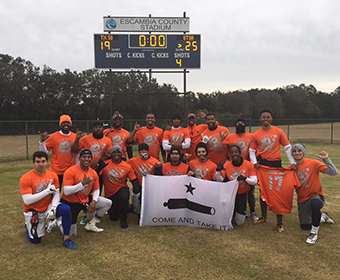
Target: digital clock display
x=148, y=41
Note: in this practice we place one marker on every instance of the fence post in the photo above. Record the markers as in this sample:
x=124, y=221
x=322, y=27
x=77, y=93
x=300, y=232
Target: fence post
x=332, y=127
x=26, y=131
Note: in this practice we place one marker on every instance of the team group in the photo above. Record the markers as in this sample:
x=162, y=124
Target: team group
x=83, y=164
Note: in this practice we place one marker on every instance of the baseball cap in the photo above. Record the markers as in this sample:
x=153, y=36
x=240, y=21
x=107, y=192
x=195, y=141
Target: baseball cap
x=191, y=115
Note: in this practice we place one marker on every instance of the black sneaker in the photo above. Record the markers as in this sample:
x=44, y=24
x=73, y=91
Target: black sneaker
x=123, y=223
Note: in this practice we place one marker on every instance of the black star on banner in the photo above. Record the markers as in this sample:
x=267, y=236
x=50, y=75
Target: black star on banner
x=190, y=188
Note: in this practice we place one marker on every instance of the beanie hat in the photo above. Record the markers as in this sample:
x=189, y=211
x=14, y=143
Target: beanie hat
x=65, y=118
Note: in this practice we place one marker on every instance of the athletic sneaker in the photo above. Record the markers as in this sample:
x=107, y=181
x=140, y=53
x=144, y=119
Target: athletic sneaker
x=92, y=227
x=51, y=225
x=260, y=221
x=280, y=228
x=254, y=216
x=70, y=244
x=312, y=238
x=83, y=220
x=328, y=219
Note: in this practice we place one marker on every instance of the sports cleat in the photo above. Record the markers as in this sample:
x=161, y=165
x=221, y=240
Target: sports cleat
x=93, y=227
x=280, y=228
x=328, y=219
x=70, y=244
x=51, y=225
x=260, y=221
x=83, y=220
x=312, y=238
x=254, y=216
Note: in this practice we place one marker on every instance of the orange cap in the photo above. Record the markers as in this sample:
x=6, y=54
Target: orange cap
x=65, y=118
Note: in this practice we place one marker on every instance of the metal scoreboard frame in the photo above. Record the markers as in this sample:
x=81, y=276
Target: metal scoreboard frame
x=151, y=51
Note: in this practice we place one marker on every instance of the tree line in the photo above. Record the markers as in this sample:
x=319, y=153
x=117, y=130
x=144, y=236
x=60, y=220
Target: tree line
x=30, y=93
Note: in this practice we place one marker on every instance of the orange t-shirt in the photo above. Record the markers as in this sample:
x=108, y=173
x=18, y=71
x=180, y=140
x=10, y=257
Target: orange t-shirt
x=175, y=170
x=118, y=137
x=73, y=176
x=277, y=188
x=246, y=168
x=308, y=174
x=195, y=133
x=243, y=141
x=214, y=155
x=268, y=143
x=203, y=170
x=153, y=137
x=98, y=147
x=32, y=183
x=142, y=167
x=176, y=136
x=115, y=176
x=62, y=157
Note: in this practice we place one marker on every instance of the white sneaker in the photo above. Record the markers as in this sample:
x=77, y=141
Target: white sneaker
x=327, y=219
x=254, y=216
x=92, y=227
x=312, y=238
x=51, y=225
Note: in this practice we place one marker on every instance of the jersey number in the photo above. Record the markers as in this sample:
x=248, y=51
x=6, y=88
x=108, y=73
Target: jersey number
x=276, y=178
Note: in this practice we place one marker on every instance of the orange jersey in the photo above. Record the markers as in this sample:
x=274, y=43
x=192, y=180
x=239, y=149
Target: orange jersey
x=142, y=167
x=32, y=183
x=308, y=174
x=118, y=137
x=115, y=176
x=214, y=135
x=73, y=176
x=268, y=143
x=176, y=136
x=62, y=157
x=175, y=170
x=246, y=168
x=98, y=147
x=195, y=133
x=203, y=170
x=277, y=188
x=153, y=137
x=243, y=141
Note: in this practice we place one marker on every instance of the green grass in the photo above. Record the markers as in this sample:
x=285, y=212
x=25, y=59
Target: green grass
x=246, y=252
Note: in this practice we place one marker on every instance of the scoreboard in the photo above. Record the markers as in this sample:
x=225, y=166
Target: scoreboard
x=147, y=51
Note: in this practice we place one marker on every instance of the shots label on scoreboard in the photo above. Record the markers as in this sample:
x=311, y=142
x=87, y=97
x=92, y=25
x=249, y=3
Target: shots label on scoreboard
x=147, y=51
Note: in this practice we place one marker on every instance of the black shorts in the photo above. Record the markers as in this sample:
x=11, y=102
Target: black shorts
x=75, y=209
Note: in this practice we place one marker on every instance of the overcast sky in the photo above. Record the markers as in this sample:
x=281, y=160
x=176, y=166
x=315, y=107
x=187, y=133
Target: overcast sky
x=245, y=43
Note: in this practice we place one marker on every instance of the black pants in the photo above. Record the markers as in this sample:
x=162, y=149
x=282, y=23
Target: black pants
x=120, y=204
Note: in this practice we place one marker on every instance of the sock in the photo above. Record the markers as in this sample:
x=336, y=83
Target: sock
x=94, y=220
x=315, y=229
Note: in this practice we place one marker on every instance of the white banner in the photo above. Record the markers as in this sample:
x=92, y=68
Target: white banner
x=187, y=201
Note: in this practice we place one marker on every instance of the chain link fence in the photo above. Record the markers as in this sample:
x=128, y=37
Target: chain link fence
x=20, y=139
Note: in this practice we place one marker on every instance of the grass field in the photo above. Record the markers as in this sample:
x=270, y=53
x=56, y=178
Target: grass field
x=247, y=252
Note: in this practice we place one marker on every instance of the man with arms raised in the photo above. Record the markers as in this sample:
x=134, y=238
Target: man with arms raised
x=79, y=181
x=310, y=195
x=60, y=144
x=149, y=134
x=39, y=191
x=265, y=150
